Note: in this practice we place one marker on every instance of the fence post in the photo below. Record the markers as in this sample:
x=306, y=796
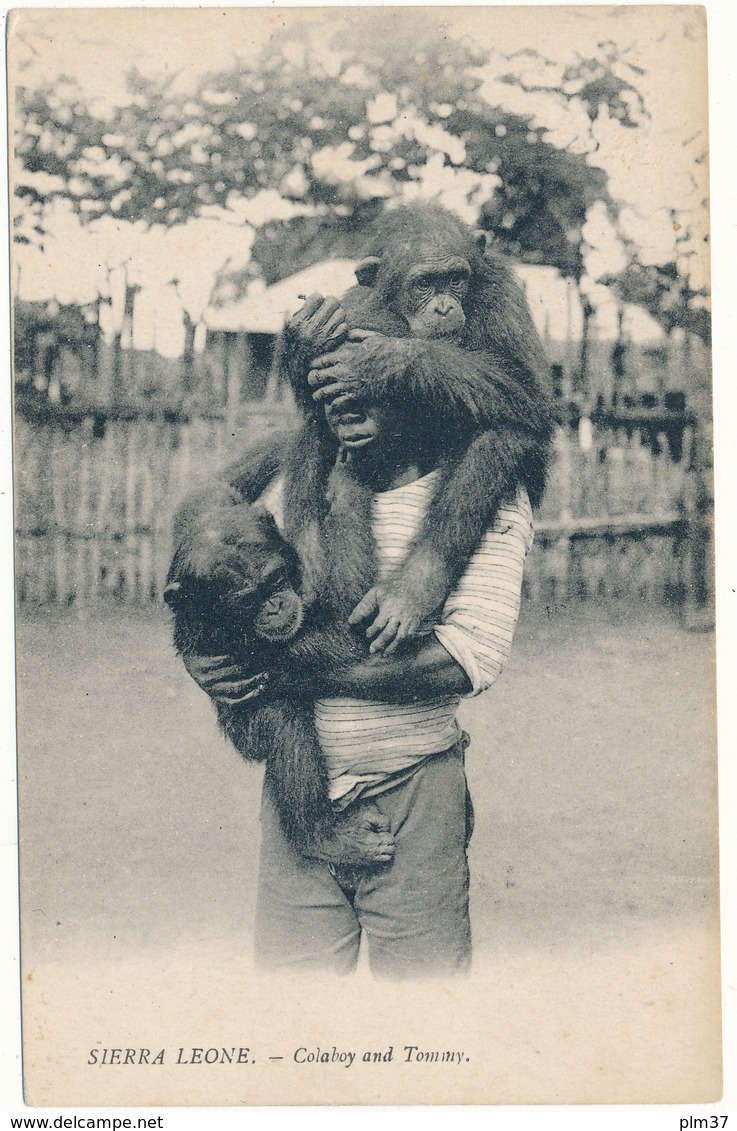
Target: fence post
x=698, y=610
x=698, y=613
x=562, y=553
x=232, y=380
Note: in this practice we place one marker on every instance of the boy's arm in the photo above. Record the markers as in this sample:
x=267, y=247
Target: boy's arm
x=243, y=480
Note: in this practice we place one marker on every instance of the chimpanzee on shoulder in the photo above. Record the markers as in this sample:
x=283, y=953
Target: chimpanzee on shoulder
x=443, y=336
x=468, y=397
x=234, y=590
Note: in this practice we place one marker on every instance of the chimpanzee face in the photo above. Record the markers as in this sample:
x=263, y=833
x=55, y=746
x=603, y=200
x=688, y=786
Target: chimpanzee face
x=432, y=296
x=277, y=607
x=235, y=575
x=421, y=261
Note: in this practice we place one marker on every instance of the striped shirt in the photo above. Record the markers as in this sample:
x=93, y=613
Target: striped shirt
x=364, y=741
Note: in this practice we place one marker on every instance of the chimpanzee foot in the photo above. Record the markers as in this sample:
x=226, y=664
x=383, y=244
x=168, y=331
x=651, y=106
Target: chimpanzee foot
x=362, y=839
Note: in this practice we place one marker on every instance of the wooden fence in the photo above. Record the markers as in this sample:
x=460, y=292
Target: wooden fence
x=626, y=513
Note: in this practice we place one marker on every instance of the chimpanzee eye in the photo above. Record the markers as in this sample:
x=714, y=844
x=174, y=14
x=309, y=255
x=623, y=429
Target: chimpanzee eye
x=273, y=579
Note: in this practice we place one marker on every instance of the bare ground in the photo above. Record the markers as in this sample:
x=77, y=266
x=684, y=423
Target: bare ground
x=594, y=884
x=592, y=767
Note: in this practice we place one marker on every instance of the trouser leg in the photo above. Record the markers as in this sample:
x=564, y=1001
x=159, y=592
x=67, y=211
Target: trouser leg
x=415, y=911
x=303, y=918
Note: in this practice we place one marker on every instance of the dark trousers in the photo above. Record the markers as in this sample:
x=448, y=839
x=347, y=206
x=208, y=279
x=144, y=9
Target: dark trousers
x=414, y=911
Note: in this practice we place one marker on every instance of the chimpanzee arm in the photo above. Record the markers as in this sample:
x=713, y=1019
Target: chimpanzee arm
x=242, y=481
x=250, y=474
x=472, y=488
x=449, y=395
x=498, y=393
x=453, y=387
x=423, y=670
x=470, y=494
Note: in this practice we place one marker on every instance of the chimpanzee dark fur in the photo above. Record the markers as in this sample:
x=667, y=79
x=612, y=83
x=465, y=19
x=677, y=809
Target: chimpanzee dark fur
x=475, y=404
x=234, y=589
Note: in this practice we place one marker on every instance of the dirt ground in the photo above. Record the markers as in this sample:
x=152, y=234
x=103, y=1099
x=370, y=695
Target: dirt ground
x=594, y=886
x=592, y=769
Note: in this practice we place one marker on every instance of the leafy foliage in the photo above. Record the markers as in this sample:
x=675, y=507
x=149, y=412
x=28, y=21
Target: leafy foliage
x=332, y=134
x=666, y=295
x=336, y=134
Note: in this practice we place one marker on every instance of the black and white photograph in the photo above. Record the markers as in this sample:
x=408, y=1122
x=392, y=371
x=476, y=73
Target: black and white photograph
x=365, y=600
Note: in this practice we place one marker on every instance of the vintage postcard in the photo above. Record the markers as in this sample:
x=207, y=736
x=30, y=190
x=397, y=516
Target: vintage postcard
x=364, y=556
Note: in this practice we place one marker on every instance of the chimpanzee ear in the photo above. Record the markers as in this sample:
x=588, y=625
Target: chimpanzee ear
x=482, y=240
x=367, y=270
x=172, y=593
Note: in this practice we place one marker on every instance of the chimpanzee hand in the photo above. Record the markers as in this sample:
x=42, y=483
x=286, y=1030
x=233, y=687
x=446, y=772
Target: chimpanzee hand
x=362, y=366
x=332, y=377
x=399, y=609
x=390, y=622
x=223, y=680
x=317, y=328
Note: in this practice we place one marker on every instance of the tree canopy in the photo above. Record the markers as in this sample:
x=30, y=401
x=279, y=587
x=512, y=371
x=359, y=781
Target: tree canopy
x=331, y=134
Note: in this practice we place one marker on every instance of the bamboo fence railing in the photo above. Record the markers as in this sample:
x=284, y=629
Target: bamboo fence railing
x=624, y=514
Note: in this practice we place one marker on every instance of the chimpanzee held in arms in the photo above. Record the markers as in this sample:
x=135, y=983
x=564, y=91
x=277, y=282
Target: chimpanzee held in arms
x=473, y=404
x=233, y=588
x=441, y=332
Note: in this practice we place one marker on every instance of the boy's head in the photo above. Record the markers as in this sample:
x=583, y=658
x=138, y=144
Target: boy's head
x=354, y=426
x=381, y=444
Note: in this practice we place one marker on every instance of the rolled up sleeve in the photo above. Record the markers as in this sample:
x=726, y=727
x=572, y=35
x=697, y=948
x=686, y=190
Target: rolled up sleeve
x=480, y=615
